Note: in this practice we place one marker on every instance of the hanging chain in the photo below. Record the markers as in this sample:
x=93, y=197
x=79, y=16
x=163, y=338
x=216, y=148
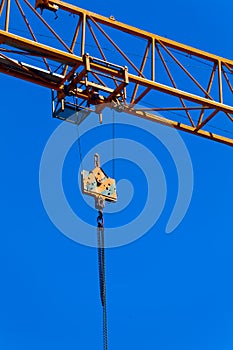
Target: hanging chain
x=102, y=279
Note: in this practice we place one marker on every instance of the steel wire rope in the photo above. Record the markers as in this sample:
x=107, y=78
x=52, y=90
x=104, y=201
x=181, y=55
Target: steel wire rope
x=78, y=136
x=113, y=143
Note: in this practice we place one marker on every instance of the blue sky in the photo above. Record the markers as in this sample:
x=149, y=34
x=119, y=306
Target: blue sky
x=164, y=291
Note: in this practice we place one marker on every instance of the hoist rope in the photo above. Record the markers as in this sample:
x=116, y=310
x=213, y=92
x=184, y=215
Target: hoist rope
x=79, y=143
x=113, y=143
x=102, y=282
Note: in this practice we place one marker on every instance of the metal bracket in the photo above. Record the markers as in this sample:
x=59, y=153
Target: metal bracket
x=44, y=4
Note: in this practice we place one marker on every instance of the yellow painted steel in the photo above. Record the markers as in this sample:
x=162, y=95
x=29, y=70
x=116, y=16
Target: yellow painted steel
x=73, y=61
x=182, y=127
x=38, y=49
x=141, y=33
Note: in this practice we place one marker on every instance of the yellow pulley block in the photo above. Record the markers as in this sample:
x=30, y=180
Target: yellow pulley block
x=97, y=184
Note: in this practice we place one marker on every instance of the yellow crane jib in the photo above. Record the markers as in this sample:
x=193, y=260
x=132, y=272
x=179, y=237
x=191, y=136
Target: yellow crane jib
x=83, y=79
x=97, y=184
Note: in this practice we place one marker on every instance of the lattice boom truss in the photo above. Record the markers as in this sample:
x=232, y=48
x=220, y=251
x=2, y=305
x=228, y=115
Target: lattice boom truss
x=95, y=60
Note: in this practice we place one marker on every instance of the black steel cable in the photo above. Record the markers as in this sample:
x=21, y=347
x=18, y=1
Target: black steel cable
x=102, y=278
x=113, y=143
x=100, y=267
x=105, y=326
x=79, y=143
